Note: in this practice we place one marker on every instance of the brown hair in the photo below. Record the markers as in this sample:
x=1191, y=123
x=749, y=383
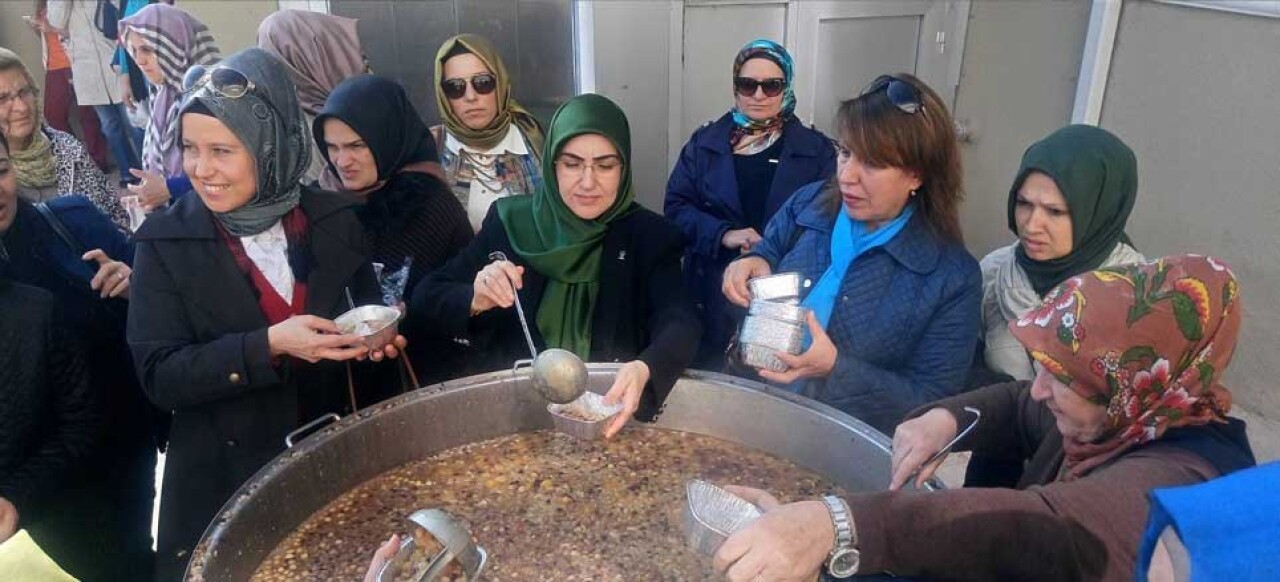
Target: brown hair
x=922, y=143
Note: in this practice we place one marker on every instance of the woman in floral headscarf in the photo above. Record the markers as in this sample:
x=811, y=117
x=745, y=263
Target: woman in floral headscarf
x=732, y=177
x=1126, y=399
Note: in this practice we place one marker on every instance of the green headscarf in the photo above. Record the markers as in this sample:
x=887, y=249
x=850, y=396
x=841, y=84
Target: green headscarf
x=509, y=111
x=1098, y=176
x=553, y=240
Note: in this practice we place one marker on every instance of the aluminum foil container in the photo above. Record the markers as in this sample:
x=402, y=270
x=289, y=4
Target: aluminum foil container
x=778, y=335
x=572, y=418
x=789, y=312
x=781, y=286
x=761, y=357
x=376, y=324
x=712, y=514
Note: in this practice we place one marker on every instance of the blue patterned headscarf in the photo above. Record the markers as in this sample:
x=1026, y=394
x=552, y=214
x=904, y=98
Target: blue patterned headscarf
x=761, y=48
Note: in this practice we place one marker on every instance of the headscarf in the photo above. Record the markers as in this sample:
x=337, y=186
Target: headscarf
x=1098, y=176
x=379, y=110
x=1148, y=341
x=320, y=51
x=750, y=135
x=509, y=111
x=553, y=240
x=35, y=165
x=270, y=124
x=180, y=42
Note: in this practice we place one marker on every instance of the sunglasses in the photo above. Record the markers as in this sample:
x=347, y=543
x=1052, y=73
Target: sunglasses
x=221, y=81
x=484, y=84
x=746, y=86
x=901, y=94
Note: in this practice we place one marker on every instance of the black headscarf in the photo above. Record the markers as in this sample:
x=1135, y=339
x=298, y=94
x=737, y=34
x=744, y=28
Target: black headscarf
x=378, y=109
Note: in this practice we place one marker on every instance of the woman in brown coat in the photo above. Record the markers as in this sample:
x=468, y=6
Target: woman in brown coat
x=1126, y=399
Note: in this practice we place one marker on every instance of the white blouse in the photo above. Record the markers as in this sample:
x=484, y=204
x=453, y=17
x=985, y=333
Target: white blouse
x=269, y=251
x=481, y=197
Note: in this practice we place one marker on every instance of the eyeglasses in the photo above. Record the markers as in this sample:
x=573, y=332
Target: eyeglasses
x=484, y=84
x=903, y=95
x=27, y=94
x=746, y=86
x=576, y=167
x=221, y=81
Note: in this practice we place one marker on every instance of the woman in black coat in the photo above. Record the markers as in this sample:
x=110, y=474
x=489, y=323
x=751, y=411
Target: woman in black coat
x=597, y=274
x=233, y=294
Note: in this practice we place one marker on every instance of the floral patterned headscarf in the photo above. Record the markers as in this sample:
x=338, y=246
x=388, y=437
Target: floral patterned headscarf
x=1147, y=341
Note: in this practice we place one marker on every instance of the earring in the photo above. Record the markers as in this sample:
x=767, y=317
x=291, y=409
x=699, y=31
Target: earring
x=913, y=193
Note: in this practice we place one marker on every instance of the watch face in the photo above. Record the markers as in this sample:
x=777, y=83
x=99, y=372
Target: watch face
x=845, y=562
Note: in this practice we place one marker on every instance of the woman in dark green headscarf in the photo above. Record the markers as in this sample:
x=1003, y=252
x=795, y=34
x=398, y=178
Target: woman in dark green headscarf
x=1068, y=206
x=601, y=273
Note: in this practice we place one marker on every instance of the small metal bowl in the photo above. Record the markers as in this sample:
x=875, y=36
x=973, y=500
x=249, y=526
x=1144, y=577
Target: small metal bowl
x=778, y=335
x=584, y=418
x=787, y=312
x=781, y=286
x=761, y=357
x=377, y=325
x=457, y=546
x=712, y=514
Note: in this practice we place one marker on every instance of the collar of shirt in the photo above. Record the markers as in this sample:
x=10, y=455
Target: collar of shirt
x=512, y=143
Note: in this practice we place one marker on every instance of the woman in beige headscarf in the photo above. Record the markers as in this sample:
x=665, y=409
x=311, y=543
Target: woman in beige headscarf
x=320, y=51
x=489, y=145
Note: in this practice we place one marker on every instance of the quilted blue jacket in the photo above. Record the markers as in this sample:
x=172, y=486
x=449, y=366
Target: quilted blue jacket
x=906, y=319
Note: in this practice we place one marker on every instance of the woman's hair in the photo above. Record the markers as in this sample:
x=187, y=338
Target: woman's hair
x=921, y=143
x=458, y=49
x=4, y=143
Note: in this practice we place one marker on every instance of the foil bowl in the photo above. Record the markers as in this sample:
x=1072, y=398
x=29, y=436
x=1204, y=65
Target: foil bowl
x=712, y=514
x=778, y=287
x=584, y=418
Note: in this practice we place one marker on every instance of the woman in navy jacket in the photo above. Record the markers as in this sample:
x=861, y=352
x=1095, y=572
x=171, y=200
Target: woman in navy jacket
x=733, y=175
x=895, y=295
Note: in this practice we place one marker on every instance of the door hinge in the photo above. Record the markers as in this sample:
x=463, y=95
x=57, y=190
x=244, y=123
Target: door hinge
x=941, y=40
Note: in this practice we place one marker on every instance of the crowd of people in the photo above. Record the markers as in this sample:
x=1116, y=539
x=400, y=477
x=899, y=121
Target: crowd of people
x=285, y=183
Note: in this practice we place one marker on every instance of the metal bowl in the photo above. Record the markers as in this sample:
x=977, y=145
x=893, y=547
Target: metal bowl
x=790, y=313
x=712, y=514
x=377, y=325
x=588, y=406
x=780, y=286
x=455, y=540
x=778, y=335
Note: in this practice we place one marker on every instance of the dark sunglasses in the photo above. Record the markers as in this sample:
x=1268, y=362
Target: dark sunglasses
x=747, y=86
x=484, y=84
x=901, y=94
x=221, y=81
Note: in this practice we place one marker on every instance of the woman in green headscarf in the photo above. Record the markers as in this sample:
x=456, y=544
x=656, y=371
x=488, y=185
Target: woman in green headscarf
x=1068, y=206
x=489, y=144
x=601, y=273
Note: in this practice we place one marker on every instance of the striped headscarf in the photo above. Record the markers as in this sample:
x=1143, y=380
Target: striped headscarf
x=180, y=42
x=750, y=135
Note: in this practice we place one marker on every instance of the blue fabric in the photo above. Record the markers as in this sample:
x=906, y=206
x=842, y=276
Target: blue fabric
x=115, y=127
x=906, y=319
x=848, y=241
x=1229, y=525
x=703, y=202
x=178, y=187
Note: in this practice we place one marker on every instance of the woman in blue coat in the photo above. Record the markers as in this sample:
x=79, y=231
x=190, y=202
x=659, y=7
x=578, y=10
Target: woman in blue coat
x=733, y=175
x=895, y=296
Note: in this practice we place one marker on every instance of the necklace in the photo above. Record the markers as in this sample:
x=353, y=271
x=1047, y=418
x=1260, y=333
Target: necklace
x=485, y=168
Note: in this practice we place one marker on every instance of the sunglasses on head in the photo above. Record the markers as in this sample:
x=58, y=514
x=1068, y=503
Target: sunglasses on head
x=221, y=81
x=484, y=84
x=746, y=86
x=901, y=94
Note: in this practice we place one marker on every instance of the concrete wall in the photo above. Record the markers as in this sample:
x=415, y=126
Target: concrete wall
x=16, y=36
x=1193, y=92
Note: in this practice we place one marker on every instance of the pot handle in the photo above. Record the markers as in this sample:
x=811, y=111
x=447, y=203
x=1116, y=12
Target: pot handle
x=306, y=429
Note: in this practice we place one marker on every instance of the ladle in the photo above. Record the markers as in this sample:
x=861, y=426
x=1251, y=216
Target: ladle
x=558, y=375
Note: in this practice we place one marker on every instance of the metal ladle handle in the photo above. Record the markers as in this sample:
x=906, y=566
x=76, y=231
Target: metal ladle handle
x=977, y=415
x=524, y=323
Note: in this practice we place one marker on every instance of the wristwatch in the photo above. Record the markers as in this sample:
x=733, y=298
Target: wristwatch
x=844, y=558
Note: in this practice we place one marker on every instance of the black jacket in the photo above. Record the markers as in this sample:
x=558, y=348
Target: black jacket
x=200, y=343
x=642, y=311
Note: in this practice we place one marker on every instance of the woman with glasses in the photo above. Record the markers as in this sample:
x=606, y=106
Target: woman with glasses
x=234, y=294
x=164, y=42
x=489, y=144
x=733, y=175
x=895, y=297
x=596, y=273
x=48, y=162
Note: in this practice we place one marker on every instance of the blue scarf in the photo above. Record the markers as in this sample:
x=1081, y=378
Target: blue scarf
x=849, y=240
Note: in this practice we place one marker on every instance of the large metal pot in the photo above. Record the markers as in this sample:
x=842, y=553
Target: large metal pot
x=412, y=427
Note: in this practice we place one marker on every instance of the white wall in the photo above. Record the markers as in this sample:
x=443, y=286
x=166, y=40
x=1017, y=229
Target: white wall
x=1193, y=92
